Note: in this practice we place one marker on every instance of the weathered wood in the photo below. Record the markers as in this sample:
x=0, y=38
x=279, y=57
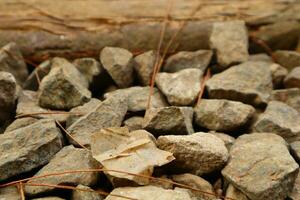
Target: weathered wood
x=83, y=27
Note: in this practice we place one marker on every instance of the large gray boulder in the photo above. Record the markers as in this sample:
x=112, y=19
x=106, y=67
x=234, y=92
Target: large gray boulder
x=249, y=82
x=261, y=166
x=25, y=149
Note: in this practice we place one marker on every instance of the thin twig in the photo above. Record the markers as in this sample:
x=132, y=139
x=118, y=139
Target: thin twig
x=205, y=78
x=50, y=113
x=21, y=190
x=264, y=45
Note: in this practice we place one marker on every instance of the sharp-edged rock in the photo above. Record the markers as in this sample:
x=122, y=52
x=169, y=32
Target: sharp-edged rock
x=134, y=123
x=261, y=167
x=67, y=159
x=292, y=80
x=222, y=115
x=85, y=195
x=233, y=193
x=181, y=88
x=287, y=59
x=10, y=193
x=227, y=139
x=249, y=82
x=27, y=148
x=289, y=96
x=20, y=123
x=199, y=153
x=169, y=120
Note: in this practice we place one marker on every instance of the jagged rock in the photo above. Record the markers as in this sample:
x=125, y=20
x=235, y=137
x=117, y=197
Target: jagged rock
x=233, y=193
x=10, y=193
x=32, y=82
x=119, y=64
x=27, y=148
x=289, y=96
x=227, y=139
x=188, y=59
x=8, y=95
x=64, y=87
x=166, y=184
x=281, y=119
x=181, y=88
x=293, y=78
x=230, y=41
x=11, y=60
x=261, y=167
x=134, y=123
x=89, y=68
x=111, y=144
x=67, y=159
x=48, y=198
x=148, y=193
x=295, y=150
x=109, y=113
x=28, y=104
x=295, y=195
x=199, y=153
x=287, y=59
x=79, y=111
x=222, y=115
x=144, y=65
x=169, y=120
x=20, y=123
x=138, y=98
x=85, y=195
x=249, y=82
x=196, y=182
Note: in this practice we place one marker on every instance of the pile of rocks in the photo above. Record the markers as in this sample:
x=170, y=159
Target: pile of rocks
x=240, y=141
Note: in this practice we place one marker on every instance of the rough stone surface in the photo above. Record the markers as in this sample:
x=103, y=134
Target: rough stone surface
x=289, y=96
x=82, y=110
x=278, y=75
x=119, y=64
x=148, y=193
x=227, y=139
x=67, y=159
x=144, y=65
x=287, y=59
x=11, y=60
x=260, y=57
x=295, y=195
x=27, y=148
x=249, y=83
x=281, y=119
x=233, y=193
x=64, y=87
x=20, y=123
x=138, y=98
x=293, y=78
x=109, y=113
x=134, y=123
x=169, y=120
x=295, y=150
x=10, y=193
x=222, y=115
x=199, y=153
x=188, y=59
x=8, y=95
x=181, y=88
x=196, y=182
x=230, y=41
x=261, y=167
x=83, y=195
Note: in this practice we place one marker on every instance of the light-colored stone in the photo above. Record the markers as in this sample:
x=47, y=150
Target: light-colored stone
x=85, y=195
x=227, y=139
x=289, y=96
x=10, y=193
x=20, y=123
x=134, y=123
x=233, y=193
x=292, y=80
x=287, y=59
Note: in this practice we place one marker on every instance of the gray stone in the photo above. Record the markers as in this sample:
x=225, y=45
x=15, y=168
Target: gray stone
x=134, y=123
x=32, y=81
x=28, y=104
x=281, y=119
x=295, y=150
x=181, y=88
x=144, y=66
x=148, y=193
x=64, y=87
x=289, y=96
x=85, y=195
x=260, y=57
x=287, y=59
x=222, y=115
x=138, y=98
x=11, y=60
x=249, y=83
x=20, y=123
x=10, y=193
x=199, y=153
x=261, y=167
x=188, y=59
x=67, y=159
x=169, y=120
x=27, y=148
x=109, y=113
x=227, y=139
x=230, y=41
x=233, y=193
x=293, y=78
x=79, y=111
x=8, y=95
x=119, y=64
